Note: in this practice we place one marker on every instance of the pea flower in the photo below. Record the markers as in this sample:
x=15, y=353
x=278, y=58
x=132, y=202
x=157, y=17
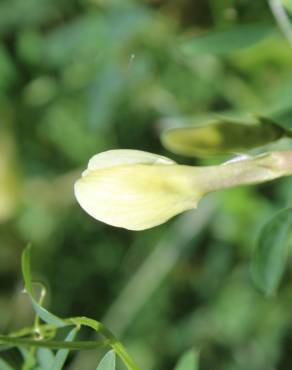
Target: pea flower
x=137, y=190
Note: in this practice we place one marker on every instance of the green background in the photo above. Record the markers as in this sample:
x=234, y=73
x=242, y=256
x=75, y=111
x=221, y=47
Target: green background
x=81, y=77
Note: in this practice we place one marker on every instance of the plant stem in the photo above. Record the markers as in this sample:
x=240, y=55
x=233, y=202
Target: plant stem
x=248, y=171
x=110, y=339
x=30, y=330
x=281, y=18
x=30, y=358
x=116, y=345
x=77, y=345
x=37, y=326
x=124, y=356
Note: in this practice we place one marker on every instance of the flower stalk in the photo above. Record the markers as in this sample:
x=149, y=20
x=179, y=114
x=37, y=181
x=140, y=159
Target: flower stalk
x=246, y=171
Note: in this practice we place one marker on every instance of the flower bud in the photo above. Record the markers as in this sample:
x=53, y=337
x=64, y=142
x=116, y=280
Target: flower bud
x=138, y=190
x=135, y=190
x=221, y=136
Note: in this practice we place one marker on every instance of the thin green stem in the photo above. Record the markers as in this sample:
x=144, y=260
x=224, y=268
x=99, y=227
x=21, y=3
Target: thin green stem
x=124, y=356
x=57, y=322
x=110, y=339
x=37, y=326
x=29, y=362
x=116, y=345
x=76, y=345
x=45, y=328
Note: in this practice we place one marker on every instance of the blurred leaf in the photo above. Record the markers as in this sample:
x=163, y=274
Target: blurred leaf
x=226, y=42
x=9, y=180
x=224, y=13
x=284, y=117
x=4, y=365
x=288, y=5
x=62, y=354
x=104, y=94
x=108, y=362
x=30, y=46
x=270, y=254
x=42, y=312
x=188, y=361
x=45, y=358
x=81, y=39
x=28, y=357
x=94, y=36
x=16, y=13
x=64, y=125
x=40, y=91
x=7, y=69
x=221, y=136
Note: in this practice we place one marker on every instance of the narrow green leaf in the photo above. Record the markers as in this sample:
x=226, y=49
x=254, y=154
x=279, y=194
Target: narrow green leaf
x=45, y=358
x=25, y=264
x=44, y=314
x=4, y=365
x=221, y=136
x=29, y=358
x=108, y=362
x=188, y=361
x=270, y=254
x=225, y=42
x=62, y=354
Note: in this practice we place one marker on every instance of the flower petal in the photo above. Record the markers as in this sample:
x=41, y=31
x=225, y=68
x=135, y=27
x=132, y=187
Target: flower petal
x=112, y=158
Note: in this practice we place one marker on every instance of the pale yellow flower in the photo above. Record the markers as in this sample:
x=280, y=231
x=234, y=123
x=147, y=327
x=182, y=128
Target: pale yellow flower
x=138, y=190
x=134, y=189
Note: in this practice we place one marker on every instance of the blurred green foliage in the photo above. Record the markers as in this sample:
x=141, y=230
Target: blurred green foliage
x=271, y=252
x=79, y=77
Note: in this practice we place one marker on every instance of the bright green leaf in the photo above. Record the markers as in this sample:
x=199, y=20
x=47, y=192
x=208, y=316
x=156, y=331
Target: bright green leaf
x=108, y=362
x=188, y=361
x=270, y=254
